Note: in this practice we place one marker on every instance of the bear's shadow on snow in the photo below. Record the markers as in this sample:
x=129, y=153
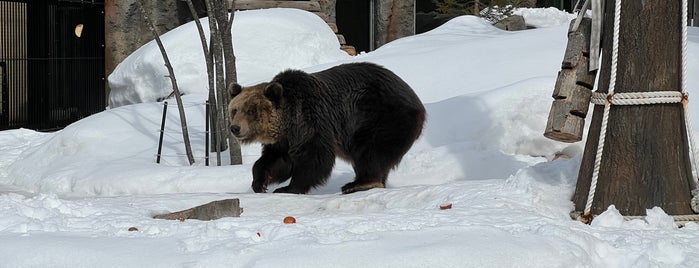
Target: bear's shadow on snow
x=464, y=128
x=461, y=126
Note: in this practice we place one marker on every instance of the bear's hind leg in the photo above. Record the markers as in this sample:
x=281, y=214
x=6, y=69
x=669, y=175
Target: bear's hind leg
x=382, y=148
x=369, y=174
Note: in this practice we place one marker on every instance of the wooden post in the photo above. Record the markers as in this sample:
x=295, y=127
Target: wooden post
x=162, y=133
x=646, y=159
x=207, y=128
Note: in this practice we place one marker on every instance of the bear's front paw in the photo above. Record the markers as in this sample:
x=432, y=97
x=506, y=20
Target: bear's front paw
x=259, y=188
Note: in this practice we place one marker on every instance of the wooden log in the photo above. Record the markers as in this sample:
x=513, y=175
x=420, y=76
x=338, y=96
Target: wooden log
x=210, y=211
x=333, y=27
x=349, y=49
x=583, y=75
x=562, y=125
x=569, y=89
x=313, y=6
x=578, y=44
x=572, y=90
x=341, y=39
x=322, y=15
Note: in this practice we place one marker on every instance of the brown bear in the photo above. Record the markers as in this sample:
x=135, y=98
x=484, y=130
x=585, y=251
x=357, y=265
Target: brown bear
x=360, y=112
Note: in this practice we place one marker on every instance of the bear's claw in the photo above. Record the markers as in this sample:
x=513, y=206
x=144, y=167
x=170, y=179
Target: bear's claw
x=288, y=190
x=356, y=187
x=259, y=188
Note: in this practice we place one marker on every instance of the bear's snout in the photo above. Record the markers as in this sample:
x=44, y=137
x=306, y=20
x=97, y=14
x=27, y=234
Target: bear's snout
x=235, y=129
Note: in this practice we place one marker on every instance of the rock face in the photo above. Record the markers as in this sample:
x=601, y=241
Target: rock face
x=512, y=23
x=328, y=7
x=393, y=19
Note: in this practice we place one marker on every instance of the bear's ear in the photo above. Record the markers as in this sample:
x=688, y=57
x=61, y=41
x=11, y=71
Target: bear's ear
x=234, y=89
x=274, y=92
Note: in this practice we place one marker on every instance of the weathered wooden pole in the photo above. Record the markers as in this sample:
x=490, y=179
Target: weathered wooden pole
x=645, y=162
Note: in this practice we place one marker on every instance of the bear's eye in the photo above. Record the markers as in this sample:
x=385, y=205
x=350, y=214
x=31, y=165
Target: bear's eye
x=233, y=112
x=251, y=112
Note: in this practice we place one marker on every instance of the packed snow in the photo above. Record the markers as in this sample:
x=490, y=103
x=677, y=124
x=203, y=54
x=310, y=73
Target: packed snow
x=69, y=198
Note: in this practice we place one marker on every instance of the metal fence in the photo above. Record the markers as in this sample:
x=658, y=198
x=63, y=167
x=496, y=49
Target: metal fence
x=52, y=62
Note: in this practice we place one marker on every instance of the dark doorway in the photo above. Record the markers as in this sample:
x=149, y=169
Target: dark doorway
x=566, y=5
x=353, y=18
x=426, y=17
x=53, y=62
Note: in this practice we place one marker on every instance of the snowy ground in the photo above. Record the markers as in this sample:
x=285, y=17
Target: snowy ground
x=69, y=198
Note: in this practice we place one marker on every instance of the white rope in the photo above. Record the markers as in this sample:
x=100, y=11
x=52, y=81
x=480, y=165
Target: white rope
x=643, y=98
x=607, y=106
x=638, y=98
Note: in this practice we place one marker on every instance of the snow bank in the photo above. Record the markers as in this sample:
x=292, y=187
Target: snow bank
x=544, y=17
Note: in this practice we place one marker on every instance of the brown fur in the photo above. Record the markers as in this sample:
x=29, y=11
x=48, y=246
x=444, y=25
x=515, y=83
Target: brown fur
x=256, y=116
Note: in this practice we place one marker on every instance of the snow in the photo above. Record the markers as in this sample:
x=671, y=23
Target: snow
x=68, y=198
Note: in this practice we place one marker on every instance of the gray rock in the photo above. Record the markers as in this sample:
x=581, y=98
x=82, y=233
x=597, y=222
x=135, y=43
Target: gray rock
x=512, y=23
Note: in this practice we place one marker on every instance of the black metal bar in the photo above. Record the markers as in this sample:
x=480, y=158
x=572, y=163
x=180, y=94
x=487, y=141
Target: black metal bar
x=206, y=139
x=162, y=132
x=4, y=116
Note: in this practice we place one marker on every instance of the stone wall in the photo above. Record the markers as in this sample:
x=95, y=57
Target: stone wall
x=393, y=19
x=126, y=31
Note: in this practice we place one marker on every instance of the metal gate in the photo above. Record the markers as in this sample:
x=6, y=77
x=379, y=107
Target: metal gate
x=51, y=62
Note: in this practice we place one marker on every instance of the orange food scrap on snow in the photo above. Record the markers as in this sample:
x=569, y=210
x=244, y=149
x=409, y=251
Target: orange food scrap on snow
x=289, y=220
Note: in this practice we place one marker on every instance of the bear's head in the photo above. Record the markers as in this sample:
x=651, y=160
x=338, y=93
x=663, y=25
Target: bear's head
x=255, y=112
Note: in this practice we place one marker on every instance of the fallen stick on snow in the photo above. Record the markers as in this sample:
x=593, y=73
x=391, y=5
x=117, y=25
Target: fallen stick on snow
x=210, y=211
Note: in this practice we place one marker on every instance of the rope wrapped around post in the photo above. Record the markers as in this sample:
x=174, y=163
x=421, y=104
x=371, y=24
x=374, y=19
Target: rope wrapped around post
x=640, y=98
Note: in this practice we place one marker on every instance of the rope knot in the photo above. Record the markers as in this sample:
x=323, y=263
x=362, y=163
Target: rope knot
x=610, y=98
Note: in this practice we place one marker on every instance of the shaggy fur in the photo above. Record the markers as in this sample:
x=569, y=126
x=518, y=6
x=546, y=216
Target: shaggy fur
x=360, y=112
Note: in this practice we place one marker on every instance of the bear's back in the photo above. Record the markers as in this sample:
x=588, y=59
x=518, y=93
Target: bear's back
x=369, y=84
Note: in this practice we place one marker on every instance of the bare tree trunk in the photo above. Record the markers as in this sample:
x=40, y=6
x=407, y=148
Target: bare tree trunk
x=210, y=72
x=225, y=71
x=646, y=159
x=175, y=89
x=231, y=77
x=215, y=57
x=222, y=73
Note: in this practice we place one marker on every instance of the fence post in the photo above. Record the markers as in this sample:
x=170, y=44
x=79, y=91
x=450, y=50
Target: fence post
x=206, y=139
x=694, y=11
x=162, y=132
